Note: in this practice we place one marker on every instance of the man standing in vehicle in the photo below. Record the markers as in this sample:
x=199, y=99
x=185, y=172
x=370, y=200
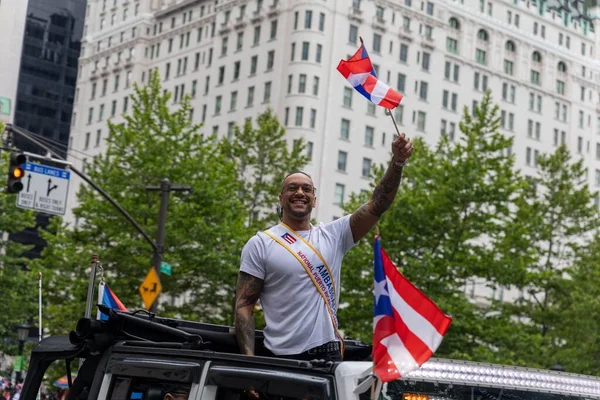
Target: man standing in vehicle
x=294, y=267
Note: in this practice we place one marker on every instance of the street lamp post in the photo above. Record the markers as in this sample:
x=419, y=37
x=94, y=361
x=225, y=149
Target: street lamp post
x=22, y=335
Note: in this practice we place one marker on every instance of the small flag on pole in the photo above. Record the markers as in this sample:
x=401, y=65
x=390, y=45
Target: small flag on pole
x=359, y=72
x=108, y=298
x=407, y=326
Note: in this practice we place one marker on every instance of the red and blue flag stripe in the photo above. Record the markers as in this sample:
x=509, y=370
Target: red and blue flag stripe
x=359, y=72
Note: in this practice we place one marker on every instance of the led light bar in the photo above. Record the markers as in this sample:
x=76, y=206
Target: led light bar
x=477, y=374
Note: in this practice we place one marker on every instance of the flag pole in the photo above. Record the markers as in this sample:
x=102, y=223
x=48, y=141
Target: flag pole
x=40, y=306
x=387, y=111
x=375, y=389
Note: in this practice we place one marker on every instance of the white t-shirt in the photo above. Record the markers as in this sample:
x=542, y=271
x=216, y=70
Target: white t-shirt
x=295, y=313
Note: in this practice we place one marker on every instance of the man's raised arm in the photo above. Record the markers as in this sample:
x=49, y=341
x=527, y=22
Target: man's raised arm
x=367, y=215
x=247, y=294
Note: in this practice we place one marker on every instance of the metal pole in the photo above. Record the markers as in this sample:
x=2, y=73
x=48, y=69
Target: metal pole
x=90, y=293
x=40, y=330
x=165, y=188
x=18, y=374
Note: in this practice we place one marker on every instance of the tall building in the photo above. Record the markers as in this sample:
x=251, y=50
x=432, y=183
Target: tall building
x=41, y=41
x=236, y=58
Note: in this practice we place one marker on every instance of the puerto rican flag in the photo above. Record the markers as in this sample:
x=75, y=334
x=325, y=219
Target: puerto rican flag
x=407, y=326
x=288, y=238
x=108, y=298
x=358, y=70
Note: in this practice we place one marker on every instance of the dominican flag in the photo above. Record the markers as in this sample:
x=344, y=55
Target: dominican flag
x=358, y=70
x=108, y=298
x=407, y=326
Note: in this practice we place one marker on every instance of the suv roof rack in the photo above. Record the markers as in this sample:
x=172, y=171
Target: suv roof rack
x=147, y=329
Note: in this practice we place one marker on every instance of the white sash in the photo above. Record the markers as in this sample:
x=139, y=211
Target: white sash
x=315, y=266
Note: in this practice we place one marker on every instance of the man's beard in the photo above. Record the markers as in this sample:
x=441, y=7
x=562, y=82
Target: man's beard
x=300, y=214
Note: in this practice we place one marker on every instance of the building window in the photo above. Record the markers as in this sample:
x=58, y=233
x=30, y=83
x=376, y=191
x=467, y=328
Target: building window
x=421, y=118
x=308, y=19
x=267, y=94
x=341, y=162
x=480, y=56
x=309, y=150
x=250, y=98
x=98, y=137
x=253, y=65
x=423, y=90
x=366, y=167
x=233, y=102
x=338, y=197
x=321, y=22
x=399, y=114
x=315, y=90
x=345, y=129
x=299, y=115
x=560, y=87
x=305, y=50
x=377, y=43
x=353, y=34
x=218, y=101
x=401, y=86
x=87, y=141
x=403, y=52
x=270, y=59
x=425, y=61
x=508, y=67
x=319, y=53
x=302, y=83
x=369, y=136
x=256, y=39
x=273, y=31
x=348, y=97
x=452, y=45
x=313, y=118
x=535, y=77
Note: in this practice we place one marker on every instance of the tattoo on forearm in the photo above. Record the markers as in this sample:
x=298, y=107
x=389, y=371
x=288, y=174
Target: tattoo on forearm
x=385, y=192
x=247, y=294
x=244, y=328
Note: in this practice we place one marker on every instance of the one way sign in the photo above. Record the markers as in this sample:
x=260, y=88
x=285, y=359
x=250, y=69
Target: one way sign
x=45, y=189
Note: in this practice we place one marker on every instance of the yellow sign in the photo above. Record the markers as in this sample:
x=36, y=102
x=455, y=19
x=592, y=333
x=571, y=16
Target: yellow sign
x=150, y=288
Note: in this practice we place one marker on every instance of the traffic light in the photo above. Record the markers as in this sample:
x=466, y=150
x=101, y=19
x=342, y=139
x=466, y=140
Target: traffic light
x=16, y=172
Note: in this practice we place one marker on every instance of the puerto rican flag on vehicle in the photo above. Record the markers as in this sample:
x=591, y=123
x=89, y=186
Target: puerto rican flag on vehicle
x=407, y=326
x=108, y=298
x=359, y=72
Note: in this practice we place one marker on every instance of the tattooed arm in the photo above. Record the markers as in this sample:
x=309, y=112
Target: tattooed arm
x=247, y=294
x=365, y=218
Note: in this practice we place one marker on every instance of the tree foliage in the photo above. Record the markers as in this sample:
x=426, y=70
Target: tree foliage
x=204, y=228
x=18, y=294
x=465, y=215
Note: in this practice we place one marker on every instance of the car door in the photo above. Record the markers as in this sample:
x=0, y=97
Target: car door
x=230, y=381
x=150, y=378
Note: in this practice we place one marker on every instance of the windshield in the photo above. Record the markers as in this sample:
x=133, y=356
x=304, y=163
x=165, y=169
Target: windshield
x=411, y=390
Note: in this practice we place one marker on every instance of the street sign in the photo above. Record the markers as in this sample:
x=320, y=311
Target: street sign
x=18, y=365
x=45, y=189
x=150, y=288
x=166, y=268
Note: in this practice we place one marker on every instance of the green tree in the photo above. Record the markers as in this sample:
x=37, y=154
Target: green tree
x=205, y=227
x=443, y=230
x=580, y=318
x=558, y=217
x=18, y=295
x=262, y=158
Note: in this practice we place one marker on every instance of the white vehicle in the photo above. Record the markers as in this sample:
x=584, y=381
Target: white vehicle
x=133, y=357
